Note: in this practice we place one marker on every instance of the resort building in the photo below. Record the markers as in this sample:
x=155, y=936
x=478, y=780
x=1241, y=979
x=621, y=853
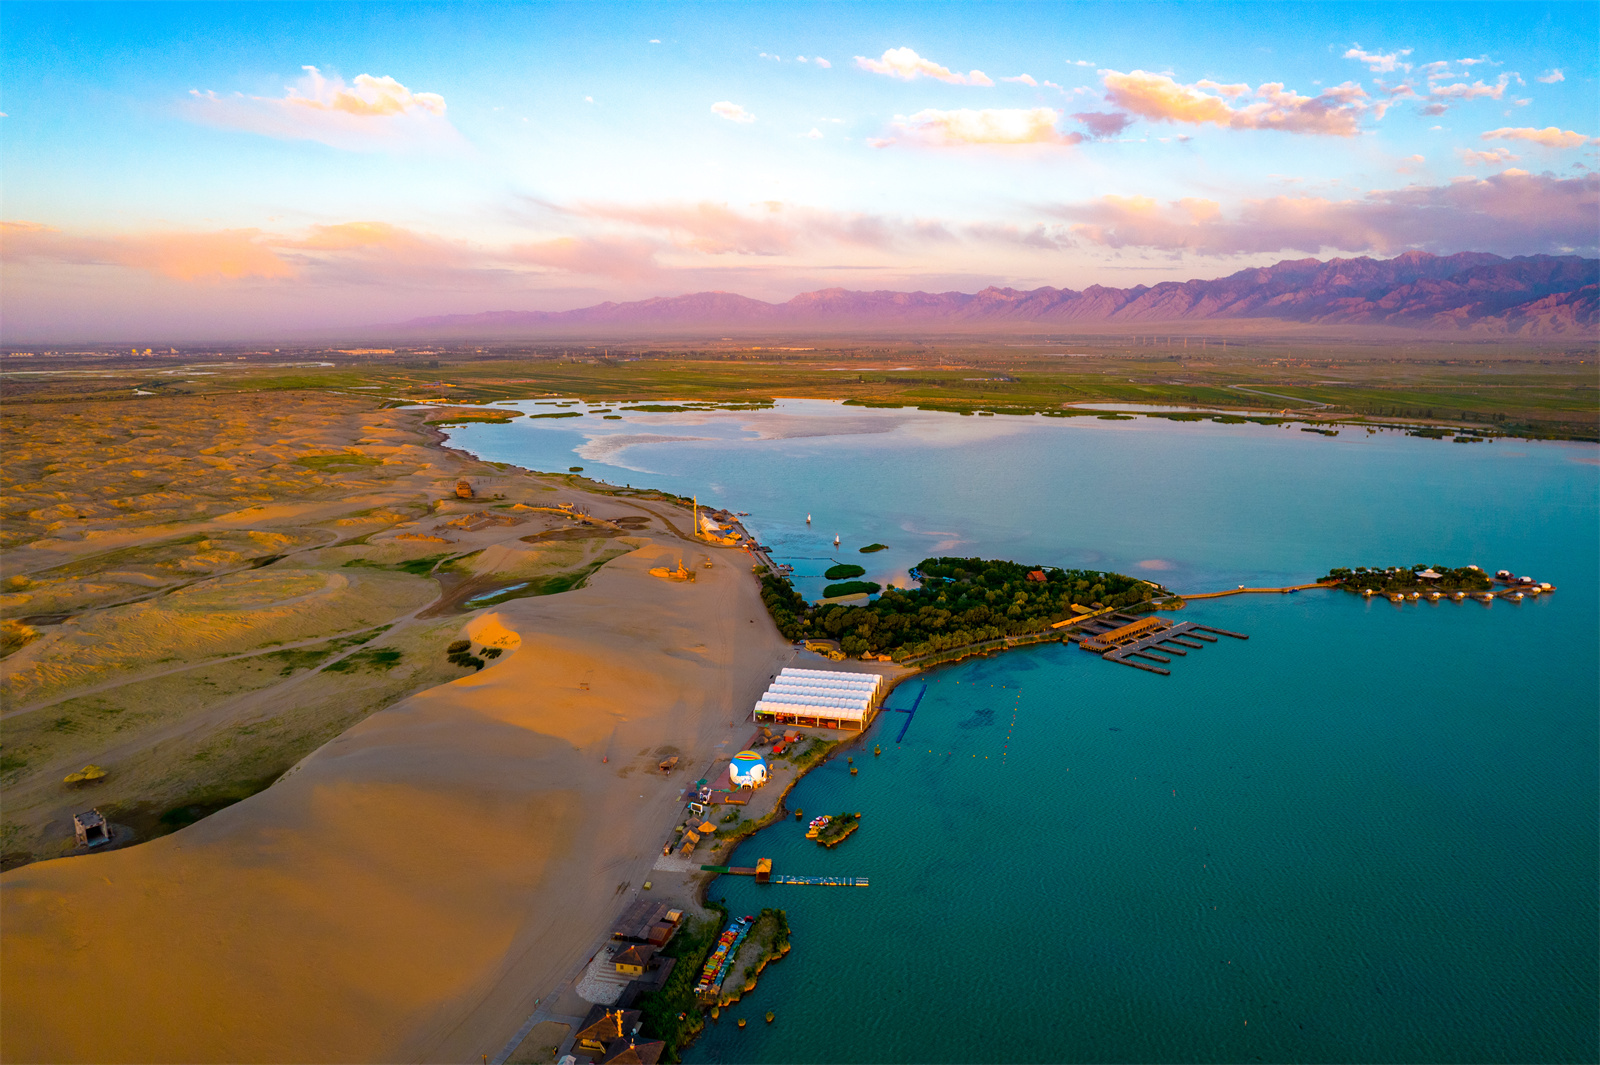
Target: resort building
x=821, y=698
x=633, y=959
x=603, y=1029
x=747, y=770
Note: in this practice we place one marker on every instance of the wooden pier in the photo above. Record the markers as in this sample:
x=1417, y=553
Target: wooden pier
x=1121, y=638
x=802, y=881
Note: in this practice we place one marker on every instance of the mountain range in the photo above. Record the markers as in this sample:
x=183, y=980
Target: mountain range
x=1534, y=296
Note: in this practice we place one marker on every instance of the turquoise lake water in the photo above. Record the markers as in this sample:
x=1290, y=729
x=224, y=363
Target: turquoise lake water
x=1369, y=833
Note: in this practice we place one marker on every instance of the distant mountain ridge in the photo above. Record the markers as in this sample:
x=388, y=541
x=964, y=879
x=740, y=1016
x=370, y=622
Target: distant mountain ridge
x=1537, y=295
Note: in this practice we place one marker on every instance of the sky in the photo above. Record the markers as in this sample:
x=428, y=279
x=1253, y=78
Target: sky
x=256, y=170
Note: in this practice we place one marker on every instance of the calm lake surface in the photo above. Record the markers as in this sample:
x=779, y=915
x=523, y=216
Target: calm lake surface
x=1367, y=834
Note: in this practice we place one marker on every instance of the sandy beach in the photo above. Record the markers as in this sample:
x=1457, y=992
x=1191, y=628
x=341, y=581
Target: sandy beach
x=407, y=891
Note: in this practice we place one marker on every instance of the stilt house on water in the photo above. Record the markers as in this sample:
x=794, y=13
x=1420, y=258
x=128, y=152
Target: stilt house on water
x=821, y=698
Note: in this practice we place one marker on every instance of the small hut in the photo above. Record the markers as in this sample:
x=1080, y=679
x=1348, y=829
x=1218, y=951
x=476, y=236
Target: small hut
x=633, y=960
x=92, y=828
x=464, y=489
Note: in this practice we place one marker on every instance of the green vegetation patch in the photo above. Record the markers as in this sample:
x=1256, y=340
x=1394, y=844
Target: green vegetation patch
x=870, y=548
x=673, y=1014
x=842, y=571
x=370, y=659
x=851, y=588
x=559, y=414
x=294, y=659
x=419, y=567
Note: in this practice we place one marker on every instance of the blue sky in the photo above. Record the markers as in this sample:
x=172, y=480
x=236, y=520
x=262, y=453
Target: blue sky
x=178, y=169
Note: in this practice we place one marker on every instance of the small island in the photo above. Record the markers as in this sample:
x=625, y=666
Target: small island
x=1400, y=580
x=830, y=830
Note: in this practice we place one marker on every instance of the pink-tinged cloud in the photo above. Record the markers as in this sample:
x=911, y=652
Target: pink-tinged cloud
x=731, y=111
x=990, y=126
x=1023, y=79
x=1380, y=63
x=907, y=65
x=1492, y=157
x=1549, y=137
x=1513, y=213
x=765, y=229
x=1463, y=91
x=1102, y=124
x=222, y=255
x=1333, y=112
x=1550, y=77
x=370, y=114
x=623, y=260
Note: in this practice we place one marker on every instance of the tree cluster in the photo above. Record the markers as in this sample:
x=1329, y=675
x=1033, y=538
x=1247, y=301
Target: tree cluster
x=961, y=601
x=1394, y=579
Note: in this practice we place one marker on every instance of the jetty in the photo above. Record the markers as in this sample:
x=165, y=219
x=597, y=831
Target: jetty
x=763, y=875
x=1121, y=638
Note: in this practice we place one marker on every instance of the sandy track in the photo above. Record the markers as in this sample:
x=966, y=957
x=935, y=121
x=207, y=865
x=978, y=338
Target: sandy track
x=411, y=888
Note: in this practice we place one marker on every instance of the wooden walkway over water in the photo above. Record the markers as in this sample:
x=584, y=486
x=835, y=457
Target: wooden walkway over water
x=1144, y=642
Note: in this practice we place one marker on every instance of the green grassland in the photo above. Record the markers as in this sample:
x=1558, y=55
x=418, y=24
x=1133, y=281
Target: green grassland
x=1545, y=389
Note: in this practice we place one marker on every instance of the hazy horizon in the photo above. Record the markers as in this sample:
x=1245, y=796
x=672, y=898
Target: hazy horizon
x=283, y=170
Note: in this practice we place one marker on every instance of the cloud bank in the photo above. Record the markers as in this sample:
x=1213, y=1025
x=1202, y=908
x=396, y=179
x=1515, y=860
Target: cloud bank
x=1333, y=112
x=1512, y=213
x=368, y=114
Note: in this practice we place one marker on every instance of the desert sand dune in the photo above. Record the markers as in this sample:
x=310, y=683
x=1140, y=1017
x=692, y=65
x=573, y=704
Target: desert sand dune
x=410, y=888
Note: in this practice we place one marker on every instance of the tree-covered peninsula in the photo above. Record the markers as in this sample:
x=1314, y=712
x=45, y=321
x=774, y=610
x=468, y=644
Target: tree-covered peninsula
x=961, y=601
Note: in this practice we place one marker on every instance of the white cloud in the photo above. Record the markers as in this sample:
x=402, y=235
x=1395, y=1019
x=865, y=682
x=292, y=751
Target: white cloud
x=1080, y=63
x=1023, y=79
x=965, y=126
x=731, y=111
x=1549, y=137
x=1492, y=157
x=821, y=62
x=655, y=40
x=1463, y=91
x=815, y=134
x=368, y=114
x=1550, y=77
x=800, y=59
x=907, y=65
x=1380, y=63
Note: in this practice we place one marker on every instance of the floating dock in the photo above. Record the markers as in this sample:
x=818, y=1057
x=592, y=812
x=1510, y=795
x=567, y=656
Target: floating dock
x=1121, y=638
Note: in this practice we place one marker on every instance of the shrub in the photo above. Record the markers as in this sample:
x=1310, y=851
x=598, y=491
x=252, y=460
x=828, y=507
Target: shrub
x=458, y=647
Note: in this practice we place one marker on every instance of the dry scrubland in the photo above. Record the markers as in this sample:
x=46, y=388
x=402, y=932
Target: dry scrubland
x=199, y=591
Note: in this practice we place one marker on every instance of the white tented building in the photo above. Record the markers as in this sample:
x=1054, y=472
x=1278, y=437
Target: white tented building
x=821, y=698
